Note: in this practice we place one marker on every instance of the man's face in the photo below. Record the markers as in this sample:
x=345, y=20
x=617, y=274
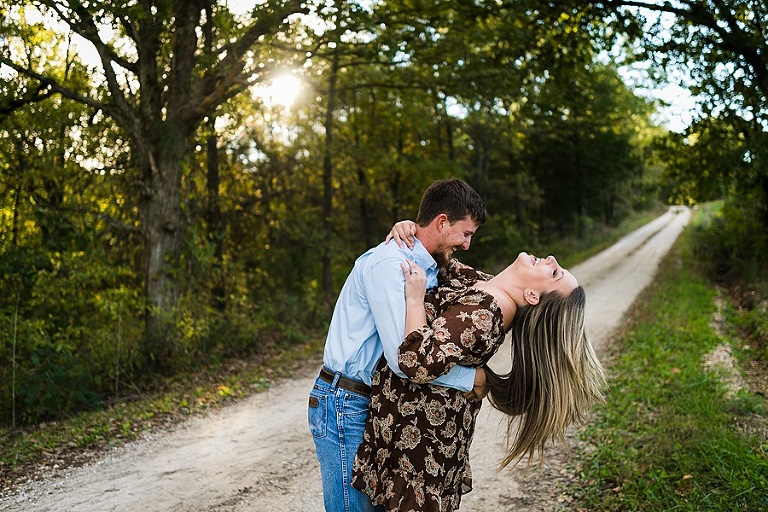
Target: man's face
x=454, y=237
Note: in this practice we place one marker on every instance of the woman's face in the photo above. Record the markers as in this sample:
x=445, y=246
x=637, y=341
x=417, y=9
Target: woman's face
x=543, y=275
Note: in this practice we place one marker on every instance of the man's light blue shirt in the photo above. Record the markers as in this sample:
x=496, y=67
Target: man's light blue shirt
x=369, y=316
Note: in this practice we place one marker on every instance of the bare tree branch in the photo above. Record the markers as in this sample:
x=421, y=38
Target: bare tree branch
x=106, y=218
x=226, y=79
x=40, y=93
x=86, y=27
x=55, y=86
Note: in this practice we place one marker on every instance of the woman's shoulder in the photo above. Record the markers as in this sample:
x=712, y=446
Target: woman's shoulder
x=457, y=271
x=461, y=293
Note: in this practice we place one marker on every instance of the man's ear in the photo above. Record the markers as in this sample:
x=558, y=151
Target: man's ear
x=441, y=222
x=531, y=297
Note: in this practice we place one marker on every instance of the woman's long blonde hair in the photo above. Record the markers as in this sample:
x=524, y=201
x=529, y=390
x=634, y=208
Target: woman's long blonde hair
x=555, y=376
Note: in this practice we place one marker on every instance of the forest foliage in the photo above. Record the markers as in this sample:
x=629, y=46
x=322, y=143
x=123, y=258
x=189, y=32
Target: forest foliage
x=160, y=212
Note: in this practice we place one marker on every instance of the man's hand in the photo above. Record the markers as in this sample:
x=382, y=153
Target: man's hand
x=480, y=389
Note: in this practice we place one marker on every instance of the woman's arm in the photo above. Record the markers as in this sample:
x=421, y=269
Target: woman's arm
x=454, y=376
x=467, y=333
x=415, y=289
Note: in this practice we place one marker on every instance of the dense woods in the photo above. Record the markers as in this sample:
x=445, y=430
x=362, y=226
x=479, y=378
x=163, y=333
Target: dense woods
x=161, y=211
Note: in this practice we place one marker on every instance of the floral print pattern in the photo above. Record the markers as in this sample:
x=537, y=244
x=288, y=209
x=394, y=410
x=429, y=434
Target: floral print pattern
x=415, y=452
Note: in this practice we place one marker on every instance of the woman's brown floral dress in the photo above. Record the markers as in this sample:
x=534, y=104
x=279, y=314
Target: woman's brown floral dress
x=415, y=451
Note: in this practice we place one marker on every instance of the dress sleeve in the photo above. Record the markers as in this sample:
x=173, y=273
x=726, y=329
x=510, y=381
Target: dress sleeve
x=466, y=333
x=387, y=307
x=457, y=273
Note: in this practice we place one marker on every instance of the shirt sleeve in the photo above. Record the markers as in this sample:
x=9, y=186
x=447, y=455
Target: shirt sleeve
x=385, y=287
x=466, y=333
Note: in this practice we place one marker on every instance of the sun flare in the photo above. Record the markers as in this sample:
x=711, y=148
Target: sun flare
x=283, y=90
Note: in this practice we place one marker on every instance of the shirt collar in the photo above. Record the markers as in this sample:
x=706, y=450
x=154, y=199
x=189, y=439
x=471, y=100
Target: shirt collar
x=422, y=256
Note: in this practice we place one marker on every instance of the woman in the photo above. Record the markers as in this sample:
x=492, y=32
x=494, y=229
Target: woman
x=415, y=453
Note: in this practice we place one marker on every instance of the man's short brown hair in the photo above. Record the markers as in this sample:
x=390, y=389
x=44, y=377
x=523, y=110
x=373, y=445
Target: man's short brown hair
x=453, y=197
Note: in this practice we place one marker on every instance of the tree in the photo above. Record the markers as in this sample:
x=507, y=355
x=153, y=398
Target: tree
x=722, y=41
x=160, y=84
x=234, y=215
x=63, y=246
x=723, y=45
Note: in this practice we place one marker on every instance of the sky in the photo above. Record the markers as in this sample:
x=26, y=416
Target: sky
x=682, y=107
x=679, y=106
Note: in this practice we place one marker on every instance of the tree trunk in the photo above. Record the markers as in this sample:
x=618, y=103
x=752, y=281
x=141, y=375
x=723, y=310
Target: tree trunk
x=213, y=217
x=327, y=277
x=366, y=218
x=394, y=184
x=162, y=227
x=365, y=210
x=578, y=182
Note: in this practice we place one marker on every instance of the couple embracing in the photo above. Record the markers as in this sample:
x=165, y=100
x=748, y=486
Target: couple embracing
x=393, y=409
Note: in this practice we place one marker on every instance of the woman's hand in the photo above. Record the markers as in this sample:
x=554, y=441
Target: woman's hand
x=415, y=286
x=403, y=233
x=415, y=289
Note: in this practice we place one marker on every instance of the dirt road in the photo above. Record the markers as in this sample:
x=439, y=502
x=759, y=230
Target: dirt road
x=257, y=455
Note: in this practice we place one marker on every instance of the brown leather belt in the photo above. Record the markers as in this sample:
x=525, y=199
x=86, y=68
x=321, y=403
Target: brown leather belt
x=345, y=383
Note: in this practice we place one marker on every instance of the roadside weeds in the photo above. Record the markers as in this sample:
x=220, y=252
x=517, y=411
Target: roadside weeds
x=684, y=427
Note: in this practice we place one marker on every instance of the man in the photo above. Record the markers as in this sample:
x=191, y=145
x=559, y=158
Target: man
x=369, y=320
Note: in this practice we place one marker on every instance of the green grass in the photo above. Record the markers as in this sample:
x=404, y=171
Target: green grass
x=667, y=438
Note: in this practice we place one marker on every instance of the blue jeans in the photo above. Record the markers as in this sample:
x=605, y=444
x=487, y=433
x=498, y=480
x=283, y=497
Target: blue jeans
x=337, y=421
